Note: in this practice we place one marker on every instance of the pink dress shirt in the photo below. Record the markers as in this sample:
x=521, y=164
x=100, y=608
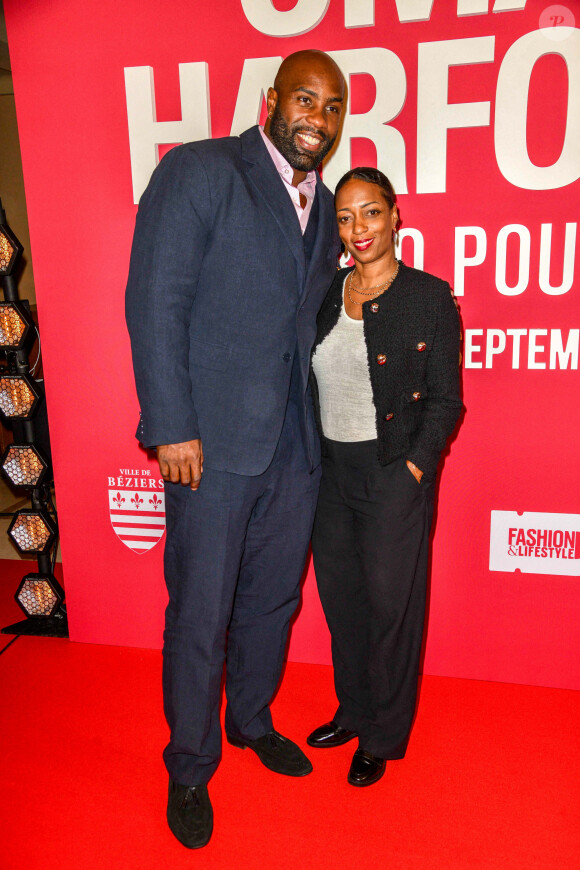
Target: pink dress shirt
x=307, y=187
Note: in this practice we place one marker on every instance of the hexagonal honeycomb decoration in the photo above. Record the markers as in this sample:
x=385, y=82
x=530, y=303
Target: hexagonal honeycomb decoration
x=23, y=466
x=18, y=396
x=39, y=595
x=6, y=252
x=32, y=531
x=10, y=250
x=15, y=325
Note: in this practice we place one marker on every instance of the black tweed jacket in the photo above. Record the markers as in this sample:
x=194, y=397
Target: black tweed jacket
x=412, y=334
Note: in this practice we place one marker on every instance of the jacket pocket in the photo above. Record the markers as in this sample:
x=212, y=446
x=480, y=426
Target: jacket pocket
x=208, y=355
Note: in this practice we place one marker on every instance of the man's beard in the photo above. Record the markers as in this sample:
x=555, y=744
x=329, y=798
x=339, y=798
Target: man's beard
x=282, y=135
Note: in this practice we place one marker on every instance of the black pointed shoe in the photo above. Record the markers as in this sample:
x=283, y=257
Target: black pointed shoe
x=328, y=735
x=366, y=768
x=276, y=752
x=189, y=814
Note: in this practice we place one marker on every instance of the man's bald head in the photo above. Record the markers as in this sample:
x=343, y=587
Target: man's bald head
x=308, y=60
x=304, y=109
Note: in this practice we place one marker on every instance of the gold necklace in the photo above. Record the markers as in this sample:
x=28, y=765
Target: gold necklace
x=376, y=288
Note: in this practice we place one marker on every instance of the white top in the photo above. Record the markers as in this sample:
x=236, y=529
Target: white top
x=340, y=364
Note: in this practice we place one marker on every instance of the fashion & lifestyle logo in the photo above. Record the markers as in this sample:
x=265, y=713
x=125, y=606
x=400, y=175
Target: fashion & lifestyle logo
x=535, y=543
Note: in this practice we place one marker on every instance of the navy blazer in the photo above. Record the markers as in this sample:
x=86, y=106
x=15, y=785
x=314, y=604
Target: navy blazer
x=219, y=301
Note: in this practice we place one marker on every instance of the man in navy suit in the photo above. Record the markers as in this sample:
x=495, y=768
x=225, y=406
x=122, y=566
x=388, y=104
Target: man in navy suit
x=235, y=247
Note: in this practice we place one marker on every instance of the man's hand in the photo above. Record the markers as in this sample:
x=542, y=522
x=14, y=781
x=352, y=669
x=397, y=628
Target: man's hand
x=416, y=472
x=181, y=463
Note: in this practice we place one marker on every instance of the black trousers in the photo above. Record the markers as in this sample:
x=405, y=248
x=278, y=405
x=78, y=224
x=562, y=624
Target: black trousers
x=234, y=555
x=371, y=546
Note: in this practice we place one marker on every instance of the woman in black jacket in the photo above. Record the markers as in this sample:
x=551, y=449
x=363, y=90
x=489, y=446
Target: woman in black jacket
x=385, y=380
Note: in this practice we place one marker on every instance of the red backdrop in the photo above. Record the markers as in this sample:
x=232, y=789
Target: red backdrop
x=474, y=112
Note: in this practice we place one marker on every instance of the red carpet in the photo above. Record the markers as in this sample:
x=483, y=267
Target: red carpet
x=490, y=779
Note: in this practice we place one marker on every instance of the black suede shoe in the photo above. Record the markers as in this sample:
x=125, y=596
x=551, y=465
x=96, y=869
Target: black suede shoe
x=189, y=814
x=276, y=752
x=365, y=769
x=329, y=735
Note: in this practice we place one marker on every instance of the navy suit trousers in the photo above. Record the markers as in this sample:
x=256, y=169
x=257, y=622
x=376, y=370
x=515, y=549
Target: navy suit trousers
x=234, y=555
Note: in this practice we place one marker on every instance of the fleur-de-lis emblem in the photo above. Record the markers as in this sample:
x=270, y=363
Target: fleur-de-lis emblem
x=155, y=501
x=137, y=501
x=118, y=500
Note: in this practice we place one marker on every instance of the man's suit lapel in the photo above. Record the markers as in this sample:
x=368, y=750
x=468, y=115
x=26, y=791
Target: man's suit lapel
x=326, y=219
x=265, y=178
